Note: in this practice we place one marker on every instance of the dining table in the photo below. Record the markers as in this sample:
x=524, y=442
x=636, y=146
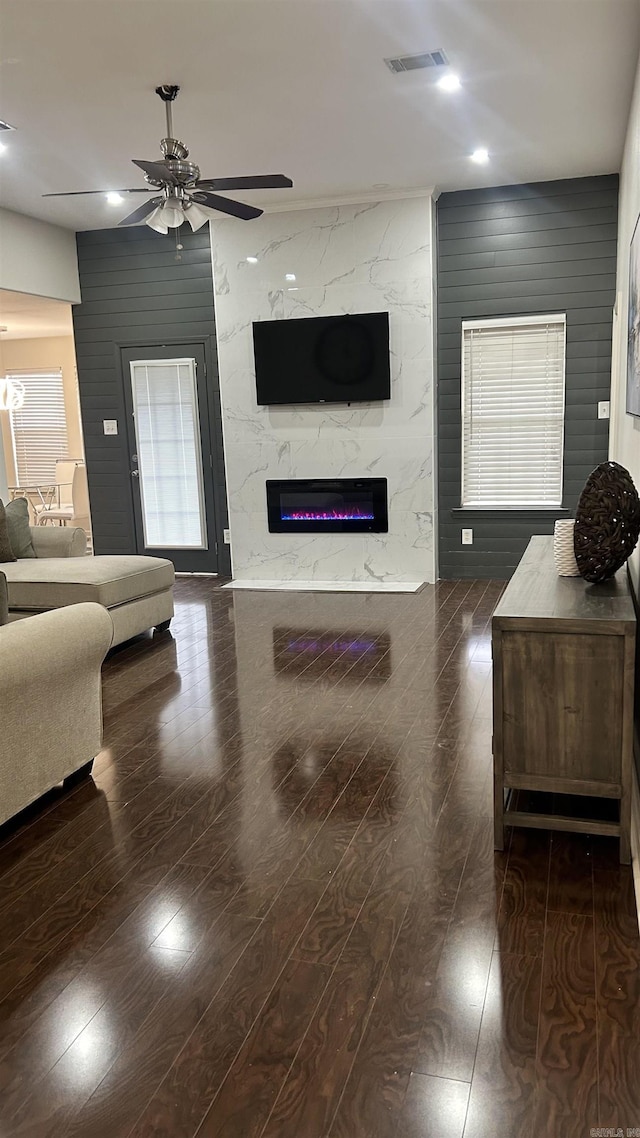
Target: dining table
x=39, y=496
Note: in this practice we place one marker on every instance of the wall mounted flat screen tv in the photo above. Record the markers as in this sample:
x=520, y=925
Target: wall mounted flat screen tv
x=323, y=359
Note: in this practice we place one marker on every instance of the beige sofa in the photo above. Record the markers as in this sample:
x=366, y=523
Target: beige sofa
x=50, y=701
x=136, y=591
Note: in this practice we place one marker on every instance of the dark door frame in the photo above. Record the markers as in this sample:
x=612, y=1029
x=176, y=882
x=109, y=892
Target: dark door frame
x=217, y=522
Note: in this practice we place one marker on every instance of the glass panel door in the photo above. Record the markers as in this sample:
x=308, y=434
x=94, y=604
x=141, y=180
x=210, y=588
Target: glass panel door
x=169, y=457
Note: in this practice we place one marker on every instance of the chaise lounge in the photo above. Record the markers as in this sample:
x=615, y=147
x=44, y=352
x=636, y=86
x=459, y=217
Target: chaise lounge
x=136, y=591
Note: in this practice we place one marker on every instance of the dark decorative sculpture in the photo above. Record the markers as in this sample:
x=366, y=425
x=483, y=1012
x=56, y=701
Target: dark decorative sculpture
x=607, y=522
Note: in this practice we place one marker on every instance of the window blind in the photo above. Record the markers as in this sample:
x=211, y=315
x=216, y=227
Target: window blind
x=169, y=455
x=39, y=427
x=513, y=374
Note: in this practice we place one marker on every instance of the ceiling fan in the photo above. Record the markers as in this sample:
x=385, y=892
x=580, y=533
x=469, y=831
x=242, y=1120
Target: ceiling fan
x=184, y=195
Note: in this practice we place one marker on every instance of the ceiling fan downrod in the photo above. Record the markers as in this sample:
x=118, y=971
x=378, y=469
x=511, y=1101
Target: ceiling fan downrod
x=168, y=92
x=173, y=149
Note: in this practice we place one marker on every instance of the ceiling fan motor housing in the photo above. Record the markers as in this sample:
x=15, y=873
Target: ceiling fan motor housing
x=175, y=154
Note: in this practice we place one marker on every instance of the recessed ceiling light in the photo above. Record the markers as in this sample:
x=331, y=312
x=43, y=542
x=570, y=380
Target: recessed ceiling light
x=252, y=260
x=289, y=276
x=449, y=83
x=481, y=156
x=114, y=198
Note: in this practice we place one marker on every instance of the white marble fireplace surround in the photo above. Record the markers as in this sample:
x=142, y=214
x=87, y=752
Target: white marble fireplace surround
x=349, y=258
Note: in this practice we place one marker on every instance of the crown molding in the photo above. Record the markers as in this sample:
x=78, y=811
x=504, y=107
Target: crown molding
x=372, y=196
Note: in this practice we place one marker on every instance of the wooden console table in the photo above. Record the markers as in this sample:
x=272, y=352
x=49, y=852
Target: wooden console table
x=563, y=689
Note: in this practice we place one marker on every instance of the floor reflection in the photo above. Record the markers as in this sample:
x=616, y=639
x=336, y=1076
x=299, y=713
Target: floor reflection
x=346, y=655
x=298, y=768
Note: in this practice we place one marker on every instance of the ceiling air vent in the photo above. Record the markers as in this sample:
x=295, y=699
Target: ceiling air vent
x=5, y=126
x=417, y=62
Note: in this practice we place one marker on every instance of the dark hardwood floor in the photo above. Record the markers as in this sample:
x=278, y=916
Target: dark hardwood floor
x=275, y=911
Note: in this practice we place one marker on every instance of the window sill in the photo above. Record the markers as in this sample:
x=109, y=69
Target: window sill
x=560, y=510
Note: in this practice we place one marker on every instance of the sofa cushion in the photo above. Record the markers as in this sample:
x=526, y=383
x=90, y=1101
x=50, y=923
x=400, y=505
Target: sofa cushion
x=19, y=529
x=6, y=552
x=52, y=582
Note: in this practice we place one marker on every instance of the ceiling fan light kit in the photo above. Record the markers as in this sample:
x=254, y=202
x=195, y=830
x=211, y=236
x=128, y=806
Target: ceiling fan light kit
x=171, y=216
x=184, y=195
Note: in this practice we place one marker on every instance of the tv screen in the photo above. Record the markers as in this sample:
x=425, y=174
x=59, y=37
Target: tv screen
x=323, y=359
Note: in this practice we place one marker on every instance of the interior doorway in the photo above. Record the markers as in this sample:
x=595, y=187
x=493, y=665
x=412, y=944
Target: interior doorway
x=41, y=440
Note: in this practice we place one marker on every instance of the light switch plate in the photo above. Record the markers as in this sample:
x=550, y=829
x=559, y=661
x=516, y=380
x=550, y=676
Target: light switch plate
x=110, y=426
x=603, y=409
x=467, y=537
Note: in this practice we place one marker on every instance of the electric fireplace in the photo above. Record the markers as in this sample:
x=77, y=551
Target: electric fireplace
x=327, y=505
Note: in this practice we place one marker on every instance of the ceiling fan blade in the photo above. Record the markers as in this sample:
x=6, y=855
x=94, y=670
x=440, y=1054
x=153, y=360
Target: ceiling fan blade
x=226, y=205
x=141, y=212
x=76, y=193
x=157, y=170
x=251, y=182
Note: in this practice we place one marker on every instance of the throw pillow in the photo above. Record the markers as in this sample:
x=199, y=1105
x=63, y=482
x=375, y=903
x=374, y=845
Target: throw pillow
x=6, y=552
x=18, y=525
x=4, y=601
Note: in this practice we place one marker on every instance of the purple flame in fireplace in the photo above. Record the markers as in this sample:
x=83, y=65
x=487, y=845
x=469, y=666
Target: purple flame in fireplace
x=342, y=514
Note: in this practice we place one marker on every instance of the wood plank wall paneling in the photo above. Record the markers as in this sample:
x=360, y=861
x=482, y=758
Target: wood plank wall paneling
x=510, y=251
x=134, y=291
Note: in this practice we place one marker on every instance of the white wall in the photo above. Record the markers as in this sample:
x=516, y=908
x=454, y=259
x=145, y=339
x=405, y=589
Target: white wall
x=625, y=434
x=367, y=258
x=38, y=258
x=41, y=354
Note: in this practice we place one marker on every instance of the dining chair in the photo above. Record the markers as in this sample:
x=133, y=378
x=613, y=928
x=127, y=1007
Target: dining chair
x=71, y=500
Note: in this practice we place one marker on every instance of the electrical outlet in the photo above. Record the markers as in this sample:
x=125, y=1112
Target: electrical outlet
x=110, y=426
x=467, y=537
x=603, y=409
x=226, y=536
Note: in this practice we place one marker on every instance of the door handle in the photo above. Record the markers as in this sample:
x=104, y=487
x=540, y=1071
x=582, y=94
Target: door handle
x=135, y=473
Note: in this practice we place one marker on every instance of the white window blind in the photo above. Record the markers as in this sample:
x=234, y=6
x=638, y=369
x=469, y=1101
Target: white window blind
x=513, y=411
x=169, y=455
x=39, y=427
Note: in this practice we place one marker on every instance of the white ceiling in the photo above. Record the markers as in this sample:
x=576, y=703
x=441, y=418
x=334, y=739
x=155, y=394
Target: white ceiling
x=300, y=87
x=29, y=317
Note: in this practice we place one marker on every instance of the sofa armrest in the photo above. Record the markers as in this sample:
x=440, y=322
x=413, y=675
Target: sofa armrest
x=50, y=699
x=59, y=541
x=36, y=652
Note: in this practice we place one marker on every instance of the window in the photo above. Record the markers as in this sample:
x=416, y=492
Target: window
x=39, y=427
x=513, y=412
x=165, y=405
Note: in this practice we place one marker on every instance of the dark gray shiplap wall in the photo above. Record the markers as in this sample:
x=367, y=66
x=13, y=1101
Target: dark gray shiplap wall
x=134, y=291
x=511, y=251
